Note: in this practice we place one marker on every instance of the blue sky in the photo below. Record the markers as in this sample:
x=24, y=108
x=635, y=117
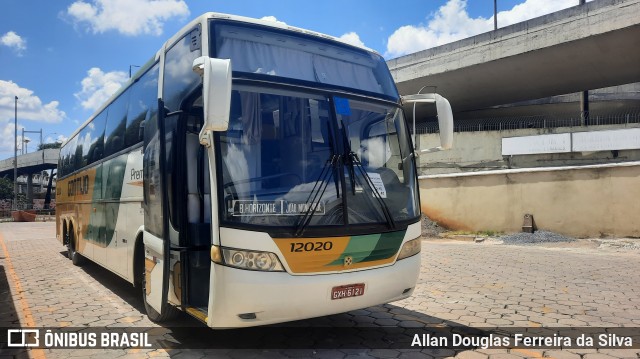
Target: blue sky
x=63, y=58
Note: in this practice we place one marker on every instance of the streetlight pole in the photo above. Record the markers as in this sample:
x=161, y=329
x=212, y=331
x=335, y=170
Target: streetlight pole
x=15, y=158
x=28, y=140
x=495, y=14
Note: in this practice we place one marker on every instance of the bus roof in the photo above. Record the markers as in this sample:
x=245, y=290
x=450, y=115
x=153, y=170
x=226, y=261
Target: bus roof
x=202, y=19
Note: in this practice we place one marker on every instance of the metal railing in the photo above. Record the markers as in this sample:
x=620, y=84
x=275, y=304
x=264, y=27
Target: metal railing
x=540, y=121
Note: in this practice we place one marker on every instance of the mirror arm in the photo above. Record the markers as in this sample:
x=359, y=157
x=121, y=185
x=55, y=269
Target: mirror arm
x=174, y=113
x=444, y=113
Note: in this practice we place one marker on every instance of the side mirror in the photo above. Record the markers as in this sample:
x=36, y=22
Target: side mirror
x=445, y=117
x=216, y=93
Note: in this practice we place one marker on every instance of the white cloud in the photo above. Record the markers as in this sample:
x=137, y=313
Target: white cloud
x=98, y=86
x=129, y=17
x=272, y=19
x=58, y=138
x=352, y=38
x=30, y=107
x=452, y=22
x=14, y=41
x=7, y=138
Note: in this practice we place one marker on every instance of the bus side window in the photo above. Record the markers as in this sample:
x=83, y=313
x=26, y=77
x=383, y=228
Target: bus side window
x=91, y=142
x=143, y=101
x=116, y=123
x=179, y=78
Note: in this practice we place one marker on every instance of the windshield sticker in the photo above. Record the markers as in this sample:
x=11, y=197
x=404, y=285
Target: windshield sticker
x=378, y=184
x=342, y=106
x=274, y=208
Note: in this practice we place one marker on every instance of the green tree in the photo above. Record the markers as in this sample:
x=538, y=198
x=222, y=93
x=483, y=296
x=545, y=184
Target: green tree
x=45, y=146
x=6, y=188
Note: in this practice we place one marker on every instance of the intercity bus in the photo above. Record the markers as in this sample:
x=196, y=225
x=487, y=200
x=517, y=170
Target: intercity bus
x=250, y=173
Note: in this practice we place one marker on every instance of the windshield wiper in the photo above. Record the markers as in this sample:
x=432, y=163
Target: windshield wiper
x=351, y=159
x=354, y=161
x=319, y=187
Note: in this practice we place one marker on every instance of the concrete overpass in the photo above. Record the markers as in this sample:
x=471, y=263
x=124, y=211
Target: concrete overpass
x=31, y=162
x=585, y=47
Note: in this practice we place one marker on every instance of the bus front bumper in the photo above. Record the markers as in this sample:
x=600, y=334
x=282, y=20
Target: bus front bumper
x=276, y=297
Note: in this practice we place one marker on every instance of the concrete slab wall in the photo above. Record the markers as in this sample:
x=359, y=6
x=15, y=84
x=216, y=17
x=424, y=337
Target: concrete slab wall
x=585, y=47
x=482, y=150
x=584, y=201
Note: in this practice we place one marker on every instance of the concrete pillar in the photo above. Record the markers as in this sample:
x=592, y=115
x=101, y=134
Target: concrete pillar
x=584, y=108
x=30, y=189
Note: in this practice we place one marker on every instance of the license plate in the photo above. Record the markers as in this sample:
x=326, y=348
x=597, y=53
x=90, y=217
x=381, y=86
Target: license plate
x=346, y=291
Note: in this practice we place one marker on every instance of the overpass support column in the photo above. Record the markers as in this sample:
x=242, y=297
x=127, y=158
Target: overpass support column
x=584, y=108
x=29, y=190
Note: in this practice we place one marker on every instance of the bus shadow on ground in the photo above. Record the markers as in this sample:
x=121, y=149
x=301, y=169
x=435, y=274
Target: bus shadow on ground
x=9, y=318
x=357, y=332
x=113, y=282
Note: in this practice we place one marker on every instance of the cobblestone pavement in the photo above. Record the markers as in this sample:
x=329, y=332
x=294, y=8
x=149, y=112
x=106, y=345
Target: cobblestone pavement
x=464, y=283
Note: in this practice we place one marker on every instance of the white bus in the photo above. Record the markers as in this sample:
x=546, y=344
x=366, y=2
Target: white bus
x=250, y=173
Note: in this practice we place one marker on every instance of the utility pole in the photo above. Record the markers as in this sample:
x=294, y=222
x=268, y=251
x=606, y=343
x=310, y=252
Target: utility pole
x=15, y=158
x=495, y=14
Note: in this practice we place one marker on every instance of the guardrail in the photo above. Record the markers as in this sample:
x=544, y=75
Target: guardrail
x=579, y=119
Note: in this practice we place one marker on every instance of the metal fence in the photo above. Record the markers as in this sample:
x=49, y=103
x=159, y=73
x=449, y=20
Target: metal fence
x=540, y=121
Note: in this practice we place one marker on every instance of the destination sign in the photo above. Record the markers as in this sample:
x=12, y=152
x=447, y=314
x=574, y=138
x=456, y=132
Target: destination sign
x=274, y=208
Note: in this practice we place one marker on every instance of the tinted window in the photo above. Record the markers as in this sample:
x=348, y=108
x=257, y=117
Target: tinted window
x=179, y=78
x=296, y=56
x=142, y=103
x=116, y=123
x=66, y=157
x=152, y=177
x=91, y=142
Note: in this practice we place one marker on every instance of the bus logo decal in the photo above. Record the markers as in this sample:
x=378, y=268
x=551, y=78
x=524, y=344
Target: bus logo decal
x=348, y=260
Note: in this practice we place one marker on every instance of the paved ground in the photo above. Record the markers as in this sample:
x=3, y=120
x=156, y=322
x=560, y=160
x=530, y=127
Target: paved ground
x=461, y=283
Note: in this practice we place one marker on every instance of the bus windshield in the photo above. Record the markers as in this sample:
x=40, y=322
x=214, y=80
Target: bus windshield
x=296, y=161
x=256, y=52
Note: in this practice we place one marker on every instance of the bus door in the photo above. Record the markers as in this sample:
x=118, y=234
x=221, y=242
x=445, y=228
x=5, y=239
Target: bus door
x=156, y=237
x=178, y=209
x=197, y=227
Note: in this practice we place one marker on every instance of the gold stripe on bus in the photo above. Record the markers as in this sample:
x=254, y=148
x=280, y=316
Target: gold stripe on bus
x=148, y=268
x=136, y=183
x=76, y=197
x=316, y=255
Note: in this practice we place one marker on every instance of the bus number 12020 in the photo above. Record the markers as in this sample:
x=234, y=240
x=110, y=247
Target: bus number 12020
x=311, y=246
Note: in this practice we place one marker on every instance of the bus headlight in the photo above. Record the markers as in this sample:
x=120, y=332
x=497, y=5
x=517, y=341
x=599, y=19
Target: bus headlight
x=410, y=248
x=253, y=260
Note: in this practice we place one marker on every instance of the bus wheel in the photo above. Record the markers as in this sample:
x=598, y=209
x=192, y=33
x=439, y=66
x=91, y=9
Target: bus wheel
x=72, y=253
x=169, y=312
